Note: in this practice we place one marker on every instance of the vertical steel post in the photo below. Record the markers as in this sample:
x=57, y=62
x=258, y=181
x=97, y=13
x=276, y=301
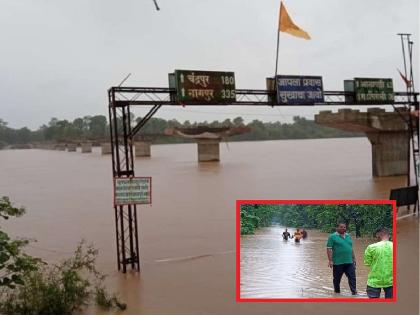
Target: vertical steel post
x=136, y=237
x=402, y=36
x=123, y=166
x=112, y=136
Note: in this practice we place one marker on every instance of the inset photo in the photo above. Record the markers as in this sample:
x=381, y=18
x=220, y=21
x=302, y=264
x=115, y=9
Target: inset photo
x=316, y=250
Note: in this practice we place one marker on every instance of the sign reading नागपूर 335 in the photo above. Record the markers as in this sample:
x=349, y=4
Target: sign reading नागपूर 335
x=133, y=190
x=203, y=87
x=299, y=90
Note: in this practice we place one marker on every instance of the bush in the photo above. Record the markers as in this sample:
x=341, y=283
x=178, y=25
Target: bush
x=30, y=286
x=59, y=289
x=13, y=261
x=106, y=302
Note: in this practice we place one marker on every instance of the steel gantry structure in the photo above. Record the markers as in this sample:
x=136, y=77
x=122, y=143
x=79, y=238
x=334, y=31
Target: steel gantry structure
x=122, y=139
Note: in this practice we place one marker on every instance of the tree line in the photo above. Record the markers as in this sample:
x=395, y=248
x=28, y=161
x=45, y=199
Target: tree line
x=85, y=128
x=361, y=219
x=97, y=128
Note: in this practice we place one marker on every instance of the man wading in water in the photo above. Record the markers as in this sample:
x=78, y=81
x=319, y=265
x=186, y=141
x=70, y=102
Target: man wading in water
x=286, y=235
x=341, y=258
x=298, y=236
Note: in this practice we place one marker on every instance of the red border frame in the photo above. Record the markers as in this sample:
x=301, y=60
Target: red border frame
x=137, y=203
x=364, y=300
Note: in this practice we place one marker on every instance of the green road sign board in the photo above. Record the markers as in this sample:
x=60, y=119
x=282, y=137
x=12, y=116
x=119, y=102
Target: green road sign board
x=204, y=87
x=132, y=190
x=367, y=90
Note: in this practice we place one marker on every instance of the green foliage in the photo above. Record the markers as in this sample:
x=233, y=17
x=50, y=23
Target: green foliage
x=7, y=209
x=301, y=128
x=86, y=128
x=30, y=286
x=104, y=301
x=360, y=219
x=97, y=128
x=256, y=216
x=60, y=289
x=13, y=261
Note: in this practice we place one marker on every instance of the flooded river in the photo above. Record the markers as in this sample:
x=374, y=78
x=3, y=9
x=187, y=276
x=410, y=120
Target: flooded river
x=273, y=268
x=187, y=237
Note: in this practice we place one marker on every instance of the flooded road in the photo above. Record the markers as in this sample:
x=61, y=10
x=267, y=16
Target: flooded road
x=273, y=268
x=187, y=236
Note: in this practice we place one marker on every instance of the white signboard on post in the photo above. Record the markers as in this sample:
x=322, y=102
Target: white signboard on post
x=132, y=190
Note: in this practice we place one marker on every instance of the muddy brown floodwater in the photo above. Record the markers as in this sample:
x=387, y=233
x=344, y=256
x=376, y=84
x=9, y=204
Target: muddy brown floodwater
x=187, y=237
x=273, y=268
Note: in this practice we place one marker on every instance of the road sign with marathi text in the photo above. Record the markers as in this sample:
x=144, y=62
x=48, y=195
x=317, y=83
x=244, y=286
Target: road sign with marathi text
x=299, y=90
x=132, y=190
x=204, y=87
x=379, y=91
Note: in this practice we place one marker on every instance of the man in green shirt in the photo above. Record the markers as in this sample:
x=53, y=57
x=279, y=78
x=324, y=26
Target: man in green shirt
x=341, y=258
x=379, y=258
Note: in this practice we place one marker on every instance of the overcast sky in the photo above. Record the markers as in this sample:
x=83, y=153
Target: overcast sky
x=58, y=58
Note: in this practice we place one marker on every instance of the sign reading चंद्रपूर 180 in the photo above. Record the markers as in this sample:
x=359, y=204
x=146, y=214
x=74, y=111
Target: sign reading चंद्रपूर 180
x=132, y=190
x=295, y=90
x=373, y=90
x=204, y=87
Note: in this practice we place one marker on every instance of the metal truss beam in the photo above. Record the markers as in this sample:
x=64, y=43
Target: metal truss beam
x=144, y=120
x=147, y=96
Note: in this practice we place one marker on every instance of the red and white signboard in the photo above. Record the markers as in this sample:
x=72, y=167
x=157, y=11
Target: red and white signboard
x=132, y=190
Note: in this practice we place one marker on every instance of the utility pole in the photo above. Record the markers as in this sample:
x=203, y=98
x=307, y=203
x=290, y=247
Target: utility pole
x=412, y=108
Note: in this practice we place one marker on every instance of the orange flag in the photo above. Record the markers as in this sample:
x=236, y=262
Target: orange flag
x=407, y=82
x=286, y=24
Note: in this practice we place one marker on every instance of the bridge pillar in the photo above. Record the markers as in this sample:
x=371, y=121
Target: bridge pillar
x=71, y=147
x=60, y=147
x=47, y=146
x=208, y=150
x=387, y=132
x=142, y=148
x=106, y=148
x=389, y=153
x=86, y=147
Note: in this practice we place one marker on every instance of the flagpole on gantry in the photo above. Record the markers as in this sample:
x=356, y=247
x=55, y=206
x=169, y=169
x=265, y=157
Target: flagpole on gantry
x=278, y=44
x=286, y=25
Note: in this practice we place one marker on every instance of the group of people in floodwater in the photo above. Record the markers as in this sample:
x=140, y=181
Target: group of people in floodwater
x=341, y=259
x=297, y=236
